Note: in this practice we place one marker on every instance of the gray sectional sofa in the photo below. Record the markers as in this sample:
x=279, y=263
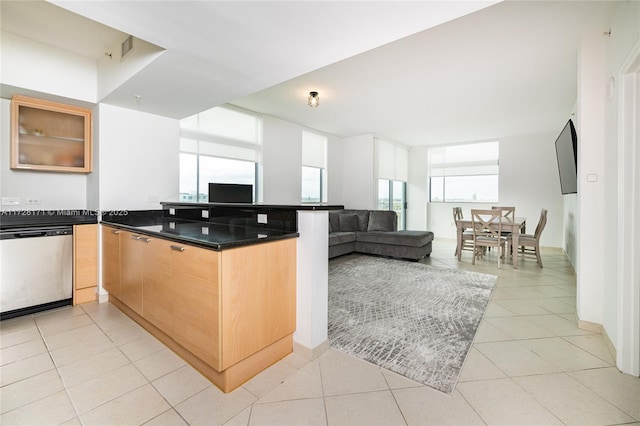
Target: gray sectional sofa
x=375, y=232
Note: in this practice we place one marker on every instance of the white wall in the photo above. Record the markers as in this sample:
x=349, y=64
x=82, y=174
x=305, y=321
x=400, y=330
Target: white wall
x=625, y=34
x=65, y=74
x=56, y=191
x=138, y=159
x=591, y=195
x=528, y=180
x=418, y=189
x=359, y=185
x=334, y=170
x=281, y=161
x=113, y=71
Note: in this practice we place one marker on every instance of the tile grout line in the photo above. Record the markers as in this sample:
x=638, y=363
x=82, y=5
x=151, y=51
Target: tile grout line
x=57, y=368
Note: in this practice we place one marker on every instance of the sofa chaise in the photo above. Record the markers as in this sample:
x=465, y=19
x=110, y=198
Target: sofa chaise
x=375, y=232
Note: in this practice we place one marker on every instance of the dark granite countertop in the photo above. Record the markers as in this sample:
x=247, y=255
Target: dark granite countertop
x=309, y=206
x=204, y=234
x=216, y=226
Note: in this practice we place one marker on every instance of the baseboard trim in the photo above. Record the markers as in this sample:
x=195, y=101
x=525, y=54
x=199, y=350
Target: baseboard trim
x=590, y=326
x=309, y=353
x=230, y=378
x=598, y=328
x=610, y=346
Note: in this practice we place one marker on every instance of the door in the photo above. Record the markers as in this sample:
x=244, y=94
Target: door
x=131, y=271
x=111, y=260
x=392, y=195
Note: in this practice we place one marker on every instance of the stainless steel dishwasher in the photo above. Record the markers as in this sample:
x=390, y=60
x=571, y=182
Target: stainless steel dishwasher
x=36, y=269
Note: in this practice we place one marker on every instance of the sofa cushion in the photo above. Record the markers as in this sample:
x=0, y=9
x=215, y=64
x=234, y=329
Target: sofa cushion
x=363, y=218
x=348, y=222
x=334, y=220
x=341, y=238
x=382, y=220
x=399, y=238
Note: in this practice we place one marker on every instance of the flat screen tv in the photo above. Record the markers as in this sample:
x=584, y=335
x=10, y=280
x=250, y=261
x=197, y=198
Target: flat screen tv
x=230, y=193
x=567, y=153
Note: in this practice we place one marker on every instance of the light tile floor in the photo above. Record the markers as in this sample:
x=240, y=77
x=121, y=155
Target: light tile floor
x=529, y=364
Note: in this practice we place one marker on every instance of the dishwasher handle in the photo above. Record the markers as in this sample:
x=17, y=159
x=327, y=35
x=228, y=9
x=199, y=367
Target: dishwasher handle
x=30, y=234
x=24, y=233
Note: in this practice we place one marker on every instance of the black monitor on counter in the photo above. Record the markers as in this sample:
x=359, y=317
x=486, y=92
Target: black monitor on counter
x=230, y=193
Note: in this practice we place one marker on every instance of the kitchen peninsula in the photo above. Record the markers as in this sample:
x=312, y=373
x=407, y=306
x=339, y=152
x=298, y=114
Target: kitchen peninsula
x=215, y=282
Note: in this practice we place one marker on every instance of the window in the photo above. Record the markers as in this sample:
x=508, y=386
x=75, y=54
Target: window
x=464, y=173
x=393, y=171
x=392, y=195
x=221, y=145
x=314, y=168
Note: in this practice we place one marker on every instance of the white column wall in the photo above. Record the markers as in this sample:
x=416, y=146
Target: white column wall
x=312, y=296
x=334, y=170
x=591, y=195
x=621, y=315
x=418, y=189
x=138, y=159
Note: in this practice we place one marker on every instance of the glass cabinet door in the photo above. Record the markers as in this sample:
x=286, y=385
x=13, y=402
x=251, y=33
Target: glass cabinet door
x=50, y=136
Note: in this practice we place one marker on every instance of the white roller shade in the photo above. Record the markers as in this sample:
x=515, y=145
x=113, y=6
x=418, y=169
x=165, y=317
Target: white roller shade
x=464, y=160
x=233, y=152
x=314, y=150
x=402, y=164
x=229, y=124
x=223, y=132
x=393, y=161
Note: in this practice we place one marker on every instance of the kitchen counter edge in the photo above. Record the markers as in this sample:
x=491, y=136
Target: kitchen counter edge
x=201, y=242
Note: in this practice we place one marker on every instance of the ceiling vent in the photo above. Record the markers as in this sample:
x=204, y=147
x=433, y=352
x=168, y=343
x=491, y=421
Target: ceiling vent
x=127, y=47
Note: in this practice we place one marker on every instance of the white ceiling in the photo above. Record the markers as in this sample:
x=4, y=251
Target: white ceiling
x=416, y=72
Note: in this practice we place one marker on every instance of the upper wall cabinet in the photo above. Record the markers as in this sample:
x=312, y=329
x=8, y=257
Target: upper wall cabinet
x=50, y=136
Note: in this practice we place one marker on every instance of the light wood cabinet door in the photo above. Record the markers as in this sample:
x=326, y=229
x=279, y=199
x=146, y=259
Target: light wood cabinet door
x=258, y=302
x=131, y=258
x=111, y=260
x=157, y=290
x=85, y=263
x=196, y=301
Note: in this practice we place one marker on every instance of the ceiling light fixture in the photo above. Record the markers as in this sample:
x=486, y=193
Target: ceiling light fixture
x=314, y=99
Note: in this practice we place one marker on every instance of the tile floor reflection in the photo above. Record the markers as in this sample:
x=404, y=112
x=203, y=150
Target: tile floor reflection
x=529, y=364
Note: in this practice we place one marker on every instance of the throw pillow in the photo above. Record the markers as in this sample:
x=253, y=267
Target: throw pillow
x=382, y=221
x=348, y=222
x=334, y=221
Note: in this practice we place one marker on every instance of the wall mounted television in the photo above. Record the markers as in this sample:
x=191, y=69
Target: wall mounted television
x=567, y=154
x=230, y=193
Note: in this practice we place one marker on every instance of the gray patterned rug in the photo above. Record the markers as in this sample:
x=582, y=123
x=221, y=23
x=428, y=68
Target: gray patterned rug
x=411, y=318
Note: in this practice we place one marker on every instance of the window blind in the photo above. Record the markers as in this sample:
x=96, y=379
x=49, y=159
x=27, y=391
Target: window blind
x=222, y=132
x=393, y=161
x=314, y=150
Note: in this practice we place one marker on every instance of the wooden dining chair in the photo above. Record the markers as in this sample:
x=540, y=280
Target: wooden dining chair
x=487, y=233
x=530, y=244
x=508, y=212
x=467, y=234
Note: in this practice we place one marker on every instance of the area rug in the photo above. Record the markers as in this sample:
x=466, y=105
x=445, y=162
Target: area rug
x=414, y=319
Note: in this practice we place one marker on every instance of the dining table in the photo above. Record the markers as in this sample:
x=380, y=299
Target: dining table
x=515, y=226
